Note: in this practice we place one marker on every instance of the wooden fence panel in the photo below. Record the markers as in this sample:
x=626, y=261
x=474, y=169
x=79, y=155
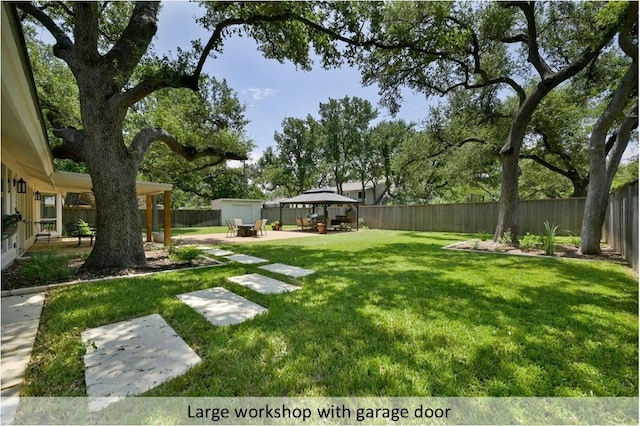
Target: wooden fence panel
x=475, y=217
x=179, y=218
x=620, y=228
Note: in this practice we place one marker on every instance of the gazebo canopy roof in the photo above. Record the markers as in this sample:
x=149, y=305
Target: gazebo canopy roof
x=319, y=198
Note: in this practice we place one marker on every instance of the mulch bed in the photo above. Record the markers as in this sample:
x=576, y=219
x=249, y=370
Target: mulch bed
x=560, y=250
x=157, y=261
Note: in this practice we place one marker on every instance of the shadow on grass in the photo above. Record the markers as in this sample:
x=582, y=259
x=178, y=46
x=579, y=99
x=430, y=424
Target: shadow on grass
x=389, y=314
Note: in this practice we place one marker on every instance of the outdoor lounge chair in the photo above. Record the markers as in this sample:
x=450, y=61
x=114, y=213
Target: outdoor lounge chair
x=264, y=226
x=299, y=222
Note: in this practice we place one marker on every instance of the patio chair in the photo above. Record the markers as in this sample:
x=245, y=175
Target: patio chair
x=306, y=223
x=264, y=226
x=257, y=227
x=232, y=230
x=299, y=222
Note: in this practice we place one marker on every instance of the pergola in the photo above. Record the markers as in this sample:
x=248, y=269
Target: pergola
x=320, y=197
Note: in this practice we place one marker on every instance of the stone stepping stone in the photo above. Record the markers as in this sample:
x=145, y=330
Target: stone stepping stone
x=131, y=357
x=243, y=258
x=221, y=306
x=262, y=284
x=218, y=252
x=290, y=271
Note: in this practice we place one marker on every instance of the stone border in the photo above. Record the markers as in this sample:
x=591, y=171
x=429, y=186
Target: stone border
x=539, y=256
x=29, y=290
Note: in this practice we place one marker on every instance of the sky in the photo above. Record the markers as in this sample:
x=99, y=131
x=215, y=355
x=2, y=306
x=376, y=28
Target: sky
x=272, y=91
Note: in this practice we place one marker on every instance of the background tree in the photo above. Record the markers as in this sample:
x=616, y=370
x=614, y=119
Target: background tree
x=440, y=46
x=385, y=138
x=345, y=123
x=298, y=150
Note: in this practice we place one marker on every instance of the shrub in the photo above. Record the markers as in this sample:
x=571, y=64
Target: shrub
x=48, y=266
x=484, y=236
x=529, y=242
x=574, y=239
x=549, y=238
x=507, y=237
x=183, y=254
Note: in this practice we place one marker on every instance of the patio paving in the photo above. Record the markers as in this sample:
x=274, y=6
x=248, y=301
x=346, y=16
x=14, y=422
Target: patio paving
x=220, y=306
x=243, y=258
x=290, y=271
x=262, y=284
x=131, y=357
x=20, y=321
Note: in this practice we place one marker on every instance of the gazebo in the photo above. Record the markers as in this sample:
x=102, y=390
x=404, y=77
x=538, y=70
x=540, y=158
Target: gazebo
x=320, y=197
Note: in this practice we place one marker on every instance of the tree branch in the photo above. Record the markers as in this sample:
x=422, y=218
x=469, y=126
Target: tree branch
x=625, y=40
x=63, y=48
x=125, y=55
x=72, y=146
x=85, y=31
x=143, y=140
x=532, y=38
x=156, y=82
x=546, y=164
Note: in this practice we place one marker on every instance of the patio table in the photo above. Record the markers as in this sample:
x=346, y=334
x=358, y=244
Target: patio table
x=246, y=231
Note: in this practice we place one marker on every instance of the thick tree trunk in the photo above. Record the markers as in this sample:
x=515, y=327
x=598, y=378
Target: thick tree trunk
x=113, y=172
x=508, y=212
x=601, y=173
x=119, y=242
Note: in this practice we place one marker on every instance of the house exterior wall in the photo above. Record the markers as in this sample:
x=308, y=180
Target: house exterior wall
x=354, y=190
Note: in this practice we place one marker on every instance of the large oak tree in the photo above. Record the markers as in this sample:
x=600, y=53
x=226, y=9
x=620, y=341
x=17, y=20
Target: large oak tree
x=108, y=48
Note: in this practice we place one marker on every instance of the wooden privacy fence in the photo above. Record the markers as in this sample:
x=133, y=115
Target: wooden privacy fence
x=179, y=218
x=620, y=228
x=476, y=217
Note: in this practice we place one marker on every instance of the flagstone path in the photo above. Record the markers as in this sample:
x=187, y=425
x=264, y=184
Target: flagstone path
x=262, y=284
x=131, y=357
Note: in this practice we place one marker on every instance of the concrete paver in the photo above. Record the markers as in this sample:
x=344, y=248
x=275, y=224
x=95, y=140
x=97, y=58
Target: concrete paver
x=246, y=259
x=262, y=284
x=290, y=271
x=219, y=252
x=131, y=357
x=220, y=306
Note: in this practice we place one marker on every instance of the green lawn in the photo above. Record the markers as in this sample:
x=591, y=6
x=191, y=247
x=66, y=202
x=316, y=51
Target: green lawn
x=387, y=314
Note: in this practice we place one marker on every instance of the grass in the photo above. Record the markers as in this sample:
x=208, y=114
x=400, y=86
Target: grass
x=387, y=313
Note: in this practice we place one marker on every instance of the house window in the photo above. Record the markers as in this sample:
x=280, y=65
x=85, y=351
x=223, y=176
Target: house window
x=360, y=196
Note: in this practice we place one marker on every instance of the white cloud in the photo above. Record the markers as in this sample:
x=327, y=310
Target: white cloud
x=260, y=93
